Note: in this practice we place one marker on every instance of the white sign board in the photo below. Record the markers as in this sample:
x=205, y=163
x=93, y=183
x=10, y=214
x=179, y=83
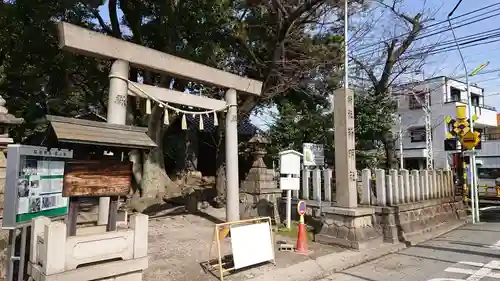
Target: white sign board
x=314, y=154
x=290, y=162
x=251, y=244
x=290, y=183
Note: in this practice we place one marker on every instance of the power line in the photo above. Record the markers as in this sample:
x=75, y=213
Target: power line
x=448, y=45
x=421, y=36
x=488, y=39
x=443, y=29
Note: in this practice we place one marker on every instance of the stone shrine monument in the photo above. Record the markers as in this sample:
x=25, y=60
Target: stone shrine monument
x=6, y=120
x=259, y=192
x=346, y=224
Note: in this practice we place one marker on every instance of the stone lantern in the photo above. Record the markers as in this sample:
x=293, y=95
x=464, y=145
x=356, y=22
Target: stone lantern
x=259, y=192
x=258, y=146
x=6, y=121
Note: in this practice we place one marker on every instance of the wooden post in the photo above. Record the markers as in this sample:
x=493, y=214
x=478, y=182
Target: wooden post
x=113, y=211
x=74, y=206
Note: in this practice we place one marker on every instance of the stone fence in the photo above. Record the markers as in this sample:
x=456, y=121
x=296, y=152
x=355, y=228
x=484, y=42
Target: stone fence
x=395, y=205
x=389, y=187
x=403, y=186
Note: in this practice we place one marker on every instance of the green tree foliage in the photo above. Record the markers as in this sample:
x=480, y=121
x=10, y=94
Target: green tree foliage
x=302, y=119
x=292, y=46
x=35, y=77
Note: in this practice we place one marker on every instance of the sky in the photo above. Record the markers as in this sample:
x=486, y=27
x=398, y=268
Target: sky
x=446, y=63
x=449, y=63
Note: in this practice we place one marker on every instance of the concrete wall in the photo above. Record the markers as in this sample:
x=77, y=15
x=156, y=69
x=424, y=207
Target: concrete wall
x=407, y=222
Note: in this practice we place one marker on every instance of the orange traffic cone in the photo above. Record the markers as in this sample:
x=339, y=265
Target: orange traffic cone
x=302, y=240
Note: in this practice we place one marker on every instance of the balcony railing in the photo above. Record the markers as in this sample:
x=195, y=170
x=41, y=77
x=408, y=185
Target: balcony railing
x=488, y=107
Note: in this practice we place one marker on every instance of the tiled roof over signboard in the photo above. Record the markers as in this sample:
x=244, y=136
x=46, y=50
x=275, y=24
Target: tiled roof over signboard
x=71, y=130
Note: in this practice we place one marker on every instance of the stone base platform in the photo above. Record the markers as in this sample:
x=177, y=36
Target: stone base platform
x=265, y=203
x=406, y=222
x=352, y=228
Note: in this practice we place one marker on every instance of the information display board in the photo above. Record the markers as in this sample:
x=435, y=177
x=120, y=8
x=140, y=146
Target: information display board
x=314, y=154
x=34, y=183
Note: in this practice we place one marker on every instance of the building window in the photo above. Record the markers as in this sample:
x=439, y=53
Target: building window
x=454, y=94
x=488, y=173
x=474, y=99
x=417, y=135
x=417, y=100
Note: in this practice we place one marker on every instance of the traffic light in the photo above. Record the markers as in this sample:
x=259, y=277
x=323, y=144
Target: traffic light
x=450, y=144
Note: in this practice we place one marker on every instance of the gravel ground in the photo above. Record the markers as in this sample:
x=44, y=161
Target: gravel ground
x=179, y=243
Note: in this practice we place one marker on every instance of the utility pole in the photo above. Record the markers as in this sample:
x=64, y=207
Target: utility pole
x=346, y=33
x=428, y=131
x=472, y=157
x=401, y=158
x=426, y=106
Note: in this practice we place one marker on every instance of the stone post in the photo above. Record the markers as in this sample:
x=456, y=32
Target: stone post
x=306, y=173
x=425, y=181
x=327, y=178
x=418, y=185
x=345, y=156
x=401, y=183
x=406, y=184
x=439, y=181
x=449, y=183
x=316, y=184
x=380, y=187
x=412, y=187
x=444, y=184
x=452, y=184
x=366, y=179
x=434, y=184
x=232, y=171
x=395, y=186
x=389, y=190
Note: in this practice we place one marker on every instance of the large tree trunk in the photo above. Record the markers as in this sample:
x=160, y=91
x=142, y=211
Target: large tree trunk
x=154, y=177
x=191, y=159
x=155, y=184
x=220, y=177
x=389, y=151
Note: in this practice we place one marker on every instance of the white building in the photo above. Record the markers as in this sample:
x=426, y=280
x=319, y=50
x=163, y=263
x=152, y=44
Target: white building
x=445, y=94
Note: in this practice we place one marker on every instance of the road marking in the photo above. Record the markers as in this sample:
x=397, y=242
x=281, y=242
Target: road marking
x=480, y=274
x=495, y=246
x=472, y=263
x=485, y=270
x=460, y=270
x=446, y=279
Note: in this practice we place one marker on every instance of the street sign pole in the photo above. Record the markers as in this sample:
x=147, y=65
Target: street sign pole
x=474, y=179
x=469, y=103
x=463, y=130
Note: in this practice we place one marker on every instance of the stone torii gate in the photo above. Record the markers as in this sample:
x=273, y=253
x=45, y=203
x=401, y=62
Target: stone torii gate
x=86, y=42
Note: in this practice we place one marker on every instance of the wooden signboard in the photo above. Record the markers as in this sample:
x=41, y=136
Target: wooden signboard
x=97, y=178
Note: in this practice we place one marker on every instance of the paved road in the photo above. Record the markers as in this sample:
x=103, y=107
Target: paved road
x=470, y=253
